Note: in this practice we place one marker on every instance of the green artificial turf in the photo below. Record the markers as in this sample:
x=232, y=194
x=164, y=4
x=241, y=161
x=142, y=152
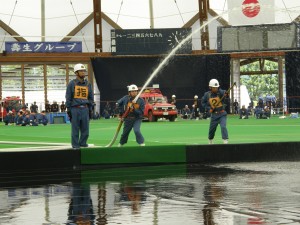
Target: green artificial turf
x=180, y=132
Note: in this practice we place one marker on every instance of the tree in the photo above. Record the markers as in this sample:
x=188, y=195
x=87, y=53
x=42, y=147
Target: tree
x=260, y=85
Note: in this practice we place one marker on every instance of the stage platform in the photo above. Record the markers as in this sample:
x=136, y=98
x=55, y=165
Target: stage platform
x=67, y=158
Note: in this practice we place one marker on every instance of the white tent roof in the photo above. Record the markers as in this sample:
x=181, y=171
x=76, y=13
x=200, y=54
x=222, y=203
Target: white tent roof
x=61, y=16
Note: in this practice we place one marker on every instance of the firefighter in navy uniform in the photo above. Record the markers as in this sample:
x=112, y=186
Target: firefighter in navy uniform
x=135, y=116
x=79, y=103
x=212, y=102
x=9, y=118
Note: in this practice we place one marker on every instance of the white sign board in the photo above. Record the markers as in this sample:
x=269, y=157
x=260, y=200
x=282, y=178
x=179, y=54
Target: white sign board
x=251, y=12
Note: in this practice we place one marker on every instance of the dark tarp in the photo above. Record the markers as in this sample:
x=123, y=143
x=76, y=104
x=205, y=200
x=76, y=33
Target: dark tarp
x=184, y=76
x=292, y=68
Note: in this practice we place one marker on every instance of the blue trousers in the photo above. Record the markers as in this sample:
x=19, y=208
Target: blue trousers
x=130, y=123
x=214, y=121
x=80, y=126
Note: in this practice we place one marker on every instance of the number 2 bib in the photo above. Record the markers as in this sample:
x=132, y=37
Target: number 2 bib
x=215, y=102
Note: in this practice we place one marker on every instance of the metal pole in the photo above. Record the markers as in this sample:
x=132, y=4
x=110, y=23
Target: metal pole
x=151, y=14
x=43, y=24
x=45, y=83
x=23, y=83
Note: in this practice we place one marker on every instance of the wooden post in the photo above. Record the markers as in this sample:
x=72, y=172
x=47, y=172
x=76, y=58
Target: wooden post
x=280, y=79
x=97, y=26
x=203, y=17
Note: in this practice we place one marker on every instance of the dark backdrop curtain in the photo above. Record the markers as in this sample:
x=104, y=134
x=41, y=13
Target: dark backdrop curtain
x=292, y=68
x=184, y=76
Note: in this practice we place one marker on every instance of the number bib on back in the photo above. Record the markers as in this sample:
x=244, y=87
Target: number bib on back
x=215, y=102
x=81, y=92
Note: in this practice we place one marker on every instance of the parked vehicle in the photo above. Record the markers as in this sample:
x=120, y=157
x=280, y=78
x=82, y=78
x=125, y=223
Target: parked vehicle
x=12, y=103
x=157, y=106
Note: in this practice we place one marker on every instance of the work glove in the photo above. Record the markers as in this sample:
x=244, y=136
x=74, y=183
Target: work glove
x=69, y=114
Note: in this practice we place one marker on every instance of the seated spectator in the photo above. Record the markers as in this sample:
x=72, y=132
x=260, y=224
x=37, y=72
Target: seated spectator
x=32, y=119
x=19, y=118
x=266, y=113
x=105, y=114
x=9, y=118
x=96, y=116
x=258, y=111
x=206, y=114
x=25, y=121
x=186, y=112
x=250, y=109
x=42, y=118
x=244, y=113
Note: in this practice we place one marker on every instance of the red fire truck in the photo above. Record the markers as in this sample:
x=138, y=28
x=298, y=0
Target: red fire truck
x=12, y=103
x=157, y=106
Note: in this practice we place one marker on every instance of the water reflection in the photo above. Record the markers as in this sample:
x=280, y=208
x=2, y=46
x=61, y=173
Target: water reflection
x=213, y=195
x=81, y=206
x=134, y=194
x=237, y=194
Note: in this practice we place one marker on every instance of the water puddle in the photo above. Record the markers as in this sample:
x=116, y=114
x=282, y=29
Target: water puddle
x=237, y=194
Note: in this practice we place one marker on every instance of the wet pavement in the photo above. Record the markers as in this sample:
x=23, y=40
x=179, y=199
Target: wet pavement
x=239, y=193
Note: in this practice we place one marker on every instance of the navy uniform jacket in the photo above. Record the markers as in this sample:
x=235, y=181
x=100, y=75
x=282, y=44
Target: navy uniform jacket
x=25, y=121
x=42, y=118
x=214, y=98
x=19, y=119
x=137, y=112
x=9, y=118
x=79, y=94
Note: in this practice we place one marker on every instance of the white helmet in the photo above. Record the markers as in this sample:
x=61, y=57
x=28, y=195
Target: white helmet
x=132, y=87
x=214, y=83
x=79, y=66
x=196, y=96
x=173, y=96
